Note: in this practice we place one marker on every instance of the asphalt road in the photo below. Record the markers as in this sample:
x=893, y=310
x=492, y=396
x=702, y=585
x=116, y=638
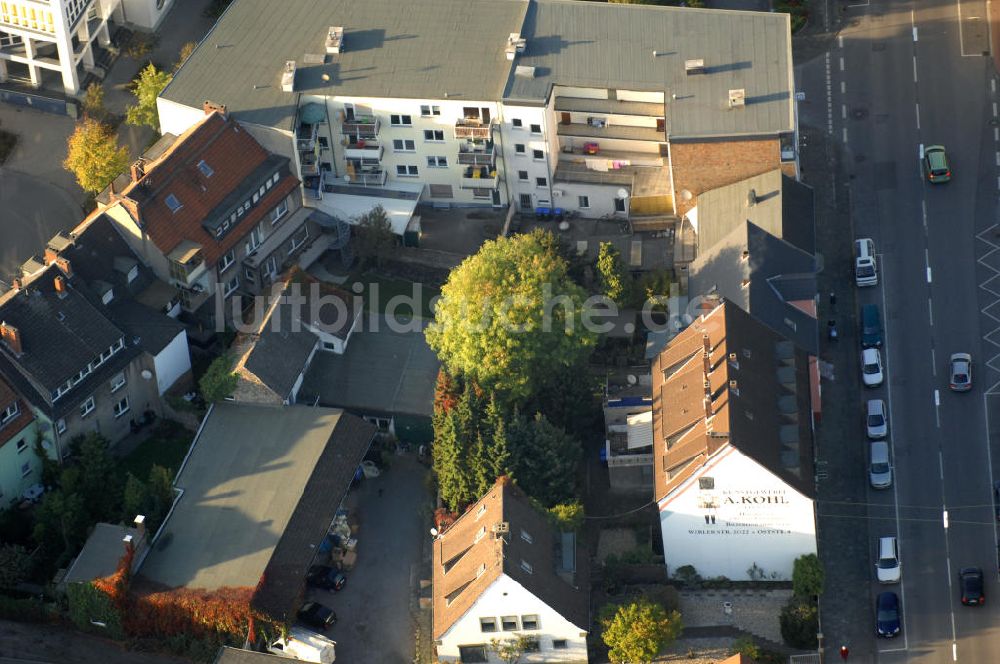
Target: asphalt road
x=903, y=74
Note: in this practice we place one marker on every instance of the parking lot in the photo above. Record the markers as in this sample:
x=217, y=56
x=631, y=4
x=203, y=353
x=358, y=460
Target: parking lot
x=377, y=608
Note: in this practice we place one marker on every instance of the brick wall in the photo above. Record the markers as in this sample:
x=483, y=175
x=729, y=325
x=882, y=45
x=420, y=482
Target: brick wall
x=704, y=166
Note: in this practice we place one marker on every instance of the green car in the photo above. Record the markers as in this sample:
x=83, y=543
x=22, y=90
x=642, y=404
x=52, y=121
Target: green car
x=936, y=164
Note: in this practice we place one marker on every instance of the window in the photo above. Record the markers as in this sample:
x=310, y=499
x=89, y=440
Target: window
x=256, y=197
x=536, y=129
x=407, y=171
x=441, y=191
x=25, y=469
x=261, y=190
x=481, y=511
x=118, y=346
x=537, y=154
x=271, y=266
x=87, y=407
x=427, y=111
x=472, y=654
x=583, y=202
x=231, y=286
x=526, y=566
x=619, y=205
x=559, y=644
x=9, y=413
x=254, y=239
x=434, y=135
x=522, y=176
x=299, y=239
x=61, y=426
x=400, y=120
x=279, y=212
x=132, y=274
x=480, y=534
x=526, y=536
x=487, y=624
x=108, y=296
x=250, y=275
x=524, y=200
x=541, y=182
x=508, y=623
x=519, y=148
x=706, y=483
x=173, y=203
x=22, y=445
x=205, y=169
x=118, y=382
x=529, y=622
x=437, y=162
x=227, y=260
x=403, y=145
x=516, y=122
x=121, y=407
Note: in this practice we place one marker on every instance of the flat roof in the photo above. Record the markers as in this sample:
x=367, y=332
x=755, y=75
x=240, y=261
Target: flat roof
x=245, y=476
x=100, y=554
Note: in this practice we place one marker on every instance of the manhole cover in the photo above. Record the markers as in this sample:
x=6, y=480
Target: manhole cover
x=859, y=113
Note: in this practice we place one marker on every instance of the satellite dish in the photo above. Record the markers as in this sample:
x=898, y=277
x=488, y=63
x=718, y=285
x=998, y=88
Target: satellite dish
x=146, y=374
x=686, y=195
x=623, y=193
x=632, y=379
x=434, y=532
x=347, y=178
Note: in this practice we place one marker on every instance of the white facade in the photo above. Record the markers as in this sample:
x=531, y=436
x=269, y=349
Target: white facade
x=734, y=514
x=558, y=639
x=146, y=14
x=172, y=362
x=37, y=36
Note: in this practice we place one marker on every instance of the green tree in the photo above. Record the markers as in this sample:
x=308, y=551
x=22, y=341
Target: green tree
x=186, y=50
x=15, y=565
x=135, y=498
x=98, y=481
x=509, y=317
x=50, y=467
x=799, y=620
x=545, y=460
x=509, y=651
x=375, y=240
x=567, y=516
x=454, y=478
x=61, y=521
x=94, y=156
x=498, y=449
x=146, y=89
x=219, y=380
x=93, y=102
x=161, y=495
x=807, y=576
x=614, y=279
x=637, y=631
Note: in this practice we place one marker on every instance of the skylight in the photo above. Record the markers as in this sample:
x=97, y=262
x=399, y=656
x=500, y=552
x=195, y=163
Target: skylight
x=173, y=203
x=205, y=169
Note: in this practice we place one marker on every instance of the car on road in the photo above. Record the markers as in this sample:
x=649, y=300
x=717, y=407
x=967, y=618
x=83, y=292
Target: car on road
x=326, y=577
x=936, y=164
x=971, y=582
x=887, y=614
x=876, y=422
x=961, y=372
x=887, y=569
x=996, y=499
x=871, y=326
x=316, y=615
x=871, y=367
x=880, y=465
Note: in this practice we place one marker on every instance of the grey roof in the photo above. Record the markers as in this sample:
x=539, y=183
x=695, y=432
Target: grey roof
x=151, y=329
x=279, y=355
x=260, y=487
x=100, y=554
x=446, y=46
x=382, y=371
x=602, y=45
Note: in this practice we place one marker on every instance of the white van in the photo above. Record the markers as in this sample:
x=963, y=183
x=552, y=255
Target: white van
x=887, y=568
x=305, y=646
x=865, y=268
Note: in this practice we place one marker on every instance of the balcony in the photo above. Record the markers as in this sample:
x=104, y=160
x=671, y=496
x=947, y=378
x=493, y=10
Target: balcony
x=367, y=178
x=473, y=128
x=601, y=129
x=187, y=265
x=360, y=126
x=309, y=162
x=367, y=151
x=479, y=177
x=313, y=184
x=305, y=137
x=484, y=155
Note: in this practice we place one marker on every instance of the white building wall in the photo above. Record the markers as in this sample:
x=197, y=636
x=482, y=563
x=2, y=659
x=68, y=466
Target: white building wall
x=585, y=93
x=145, y=13
x=601, y=198
x=172, y=362
x=639, y=95
x=758, y=519
x=514, y=162
x=176, y=118
x=506, y=597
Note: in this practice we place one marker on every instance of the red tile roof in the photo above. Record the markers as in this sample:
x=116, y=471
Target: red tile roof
x=233, y=155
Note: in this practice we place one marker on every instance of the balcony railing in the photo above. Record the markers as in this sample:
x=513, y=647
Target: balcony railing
x=477, y=157
x=473, y=128
x=310, y=163
x=363, y=150
x=367, y=178
x=361, y=126
x=313, y=185
x=479, y=177
x=305, y=137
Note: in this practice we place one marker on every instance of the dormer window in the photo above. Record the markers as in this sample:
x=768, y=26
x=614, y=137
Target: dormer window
x=173, y=203
x=480, y=534
x=526, y=536
x=481, y=511
x=205, y=169
x=108, y=296
x=526, y=566
x=9, y=413
x=133, y=273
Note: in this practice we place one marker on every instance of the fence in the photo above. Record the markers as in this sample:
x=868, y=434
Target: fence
x=38, y=102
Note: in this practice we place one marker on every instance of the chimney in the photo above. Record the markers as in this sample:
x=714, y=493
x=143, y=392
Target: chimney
x=50, y=255
x=140, y=525
x=136, y=170
x=210, y=107
x=12, y=337
x=63, y=264
x=706, y=359
x=707, y=343
x=734, y=387
x=17, y=283
x=60, y=283
x=708, y=408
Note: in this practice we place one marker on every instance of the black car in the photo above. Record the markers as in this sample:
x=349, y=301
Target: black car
x=887, y=615
x=996, y=499
x=971, y=581
x=324, y=576
x=316, y=615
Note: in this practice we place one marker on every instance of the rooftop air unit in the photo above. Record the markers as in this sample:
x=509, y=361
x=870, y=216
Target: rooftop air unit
x=288, y=77
x=524, y=71
x=334, y=40
x=737, y=98
x=694, y=66
x=515, y=44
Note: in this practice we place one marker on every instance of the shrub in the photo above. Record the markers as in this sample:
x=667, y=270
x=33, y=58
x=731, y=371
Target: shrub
x=687, y=575
x=800, y=623
x=24, y=610
x=807, y=576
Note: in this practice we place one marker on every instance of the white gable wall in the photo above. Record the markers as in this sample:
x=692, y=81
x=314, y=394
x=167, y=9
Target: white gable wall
x=172, y=362
x=506, y=597
x=757, y=519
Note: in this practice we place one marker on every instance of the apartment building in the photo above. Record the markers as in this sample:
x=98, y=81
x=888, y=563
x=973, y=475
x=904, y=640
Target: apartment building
x=212, y=213
x=605, y=110
x=20, y=466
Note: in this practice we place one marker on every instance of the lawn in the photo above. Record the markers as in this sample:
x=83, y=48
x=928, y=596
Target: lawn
x=389, y=288
x=166, y=446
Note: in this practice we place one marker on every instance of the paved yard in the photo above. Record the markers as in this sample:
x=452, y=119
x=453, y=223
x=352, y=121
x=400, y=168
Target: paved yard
x=754, y=611
x=376, y=609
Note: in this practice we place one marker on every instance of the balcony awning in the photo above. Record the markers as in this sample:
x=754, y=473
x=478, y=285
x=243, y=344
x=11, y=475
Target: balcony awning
x=640, y=430
x=312, y=113
x=184, y=252
x=352, y=207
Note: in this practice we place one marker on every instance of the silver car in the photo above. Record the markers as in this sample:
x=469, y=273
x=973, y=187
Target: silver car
x=880, y=466
x=871, y=367
x=961, y=372
x=876, y=421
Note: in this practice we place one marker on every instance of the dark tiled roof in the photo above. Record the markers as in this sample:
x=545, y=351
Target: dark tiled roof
x=152, y=329
x=798, y=209
x=7, y=397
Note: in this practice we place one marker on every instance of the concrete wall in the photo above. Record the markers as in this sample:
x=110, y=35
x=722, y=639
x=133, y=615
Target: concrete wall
x=145, y=13
x=172, y=362
x=19, y=468
x=701, y=166
x=509, y=598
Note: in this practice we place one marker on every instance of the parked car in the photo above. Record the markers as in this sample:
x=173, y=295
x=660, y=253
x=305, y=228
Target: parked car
x=887, y=569
x=936, y=164
x=316, y=615
x=961, y=372
x=887, y=615
x=871, y=367
x=996, y=499
x=876, y=421
x=324, y=576
x=880, y=465
x=871, y=326
x=971, y=583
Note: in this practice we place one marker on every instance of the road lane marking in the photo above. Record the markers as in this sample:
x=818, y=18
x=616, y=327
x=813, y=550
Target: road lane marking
x=915, y=33
x=918, y=116
x=843, y=88
x=930, y=311
x=914, y=69
x=841, y=64
x=954, y=651
x=840, y=41
x=998, y=158
x=993, y=84
x=994, y=109
x=845, y=134
x=940, y=464
x=933, y=363
x=945, y=516
x=843, y=115
x=998, y=182
x=921, y=156
x=923, y=210
x=929, y=280
x=996, y=133
x=937, y=398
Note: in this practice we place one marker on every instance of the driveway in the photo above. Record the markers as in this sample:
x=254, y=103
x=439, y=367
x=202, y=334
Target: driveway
x=377, y=608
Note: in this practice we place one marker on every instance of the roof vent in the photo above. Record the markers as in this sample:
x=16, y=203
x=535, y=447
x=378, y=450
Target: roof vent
x=752, y=198
x=288, y=77
x=524, y=71
x=515, y=44
x=694, y=66
x=737, y=98
x=335, y=39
